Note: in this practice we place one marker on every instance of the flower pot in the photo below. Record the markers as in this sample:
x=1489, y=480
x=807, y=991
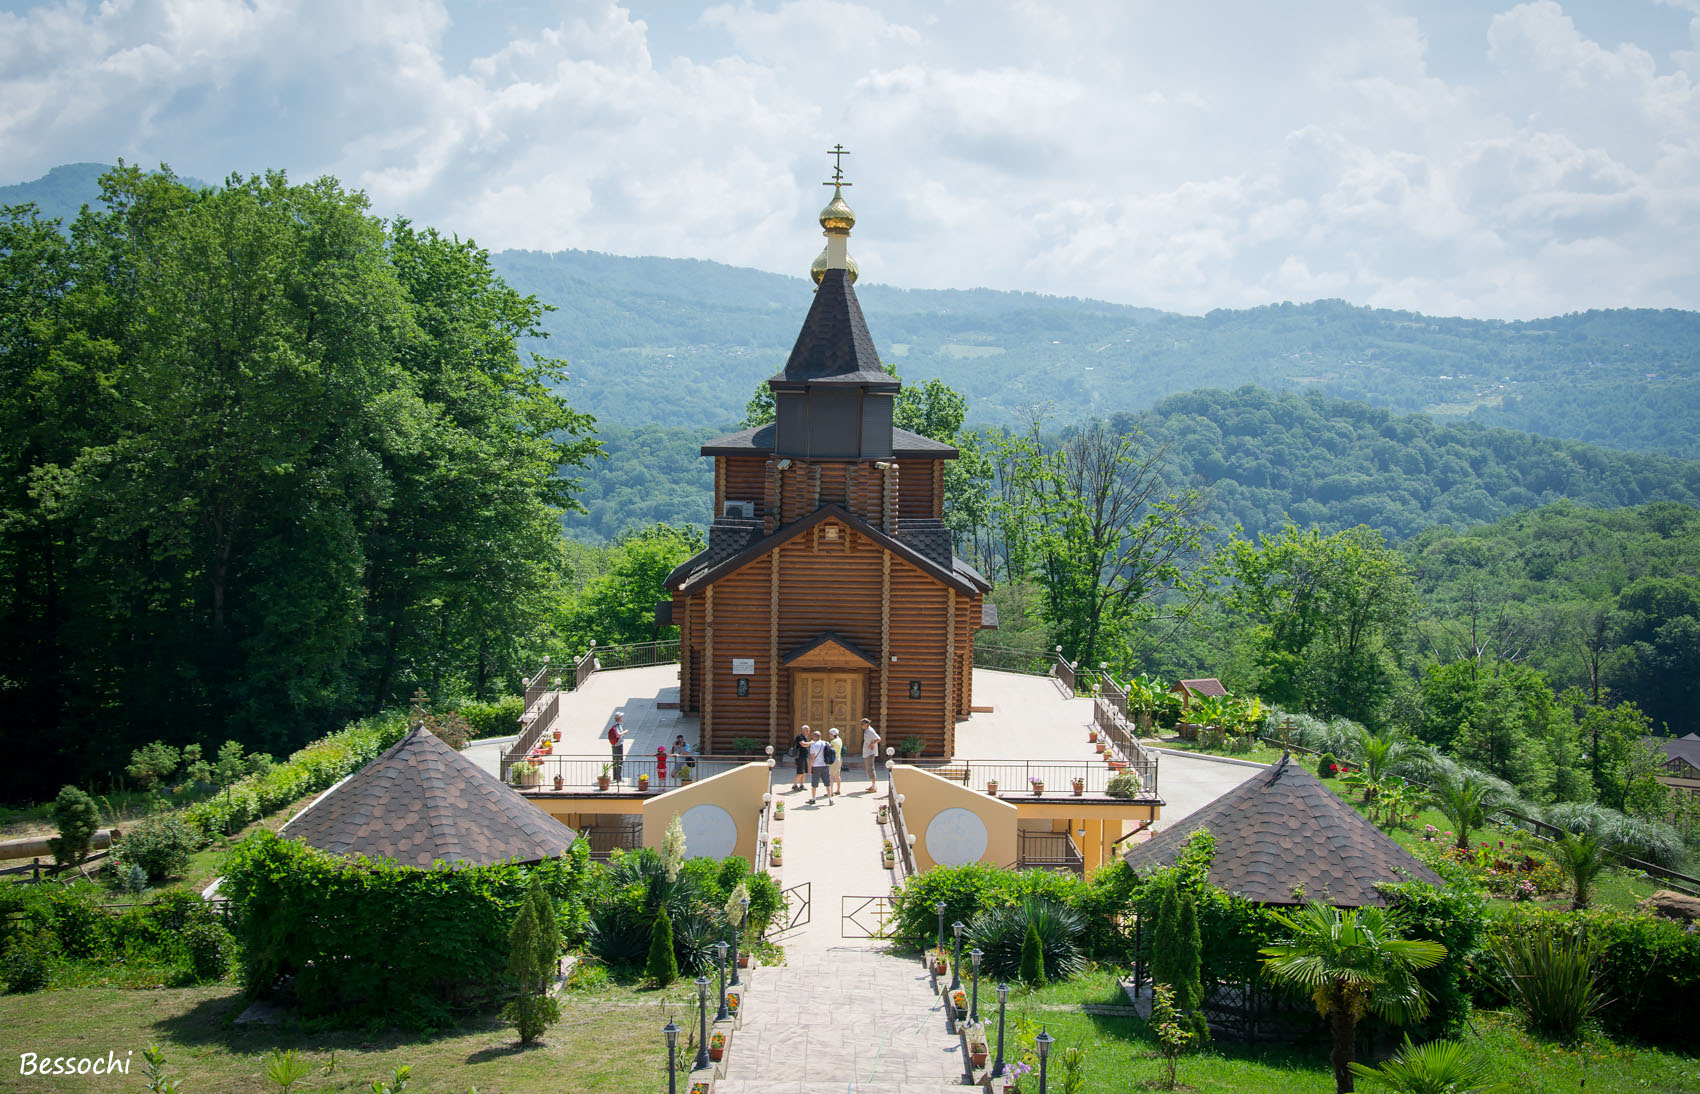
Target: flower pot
x=1091, y=736
x=555, y=736
x=889, y=860
x=1038, y=789
x=992, y=787
x=1115, y=765
x=560, y=781
x=884, y=814
x=715, y=1052
x=1080, y=788
x=601, y=782
x=743, y=961
x=979, y=1057
x=940, y=968
x=643, y=782
x=778, y=810
x=1100, y=747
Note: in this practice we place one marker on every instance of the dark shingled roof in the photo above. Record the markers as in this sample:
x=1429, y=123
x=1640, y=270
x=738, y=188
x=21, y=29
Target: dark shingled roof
x=834, y=346
x=988, y=616
x=758, y=441
x=1282, y=828
x=928, y=537
x=422, y=803
x=1685, y=748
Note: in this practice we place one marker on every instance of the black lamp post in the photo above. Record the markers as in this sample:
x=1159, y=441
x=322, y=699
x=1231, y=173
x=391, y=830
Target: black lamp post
x=1043, y=1043
x=672, y=1032
x=974, y=956
x=1003, y=997
x=939, y=908
x=702, y=1018
x=720, y=953
x=956, y=964
x=743, y=918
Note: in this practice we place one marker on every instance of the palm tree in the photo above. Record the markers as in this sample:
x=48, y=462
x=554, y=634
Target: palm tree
x=1581, y=855
x=1353, y=963
x=1376, y=755
x=1461, y=795
x=1439, y=1067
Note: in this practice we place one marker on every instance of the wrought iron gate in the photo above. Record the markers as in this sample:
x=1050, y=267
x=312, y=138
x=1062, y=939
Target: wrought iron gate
x=798, y=900
x=864, y=916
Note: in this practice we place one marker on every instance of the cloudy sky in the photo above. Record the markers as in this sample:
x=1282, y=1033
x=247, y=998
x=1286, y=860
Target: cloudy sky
x=1466, y=158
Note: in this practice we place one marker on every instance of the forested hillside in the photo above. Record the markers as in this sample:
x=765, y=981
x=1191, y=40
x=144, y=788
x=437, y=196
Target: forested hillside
x=680, y=343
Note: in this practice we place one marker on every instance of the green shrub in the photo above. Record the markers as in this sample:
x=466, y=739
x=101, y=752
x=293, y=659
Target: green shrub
x=1553, y=978
x=78, y=818
x=1325, y=766
x=967, y=891
x=493, y=719
x=27, y=963
x=153, y=763
x=366, y=938
x=1003, y=934
x=1032, y=957
x=208, y=949
x=1456, y=917
x=160, y=844
x=534, y=954
x=663, y=966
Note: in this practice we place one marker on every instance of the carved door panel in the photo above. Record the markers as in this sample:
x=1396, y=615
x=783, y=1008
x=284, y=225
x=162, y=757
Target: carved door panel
x=827, y=699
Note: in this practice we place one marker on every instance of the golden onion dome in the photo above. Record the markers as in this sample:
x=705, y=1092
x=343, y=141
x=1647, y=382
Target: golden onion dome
x=817, y=268
x=837, y=215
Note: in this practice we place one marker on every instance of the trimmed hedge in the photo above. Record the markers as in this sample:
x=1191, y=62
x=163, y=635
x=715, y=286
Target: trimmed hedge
x=371, y=939
x=174, y=940
x=318, y=766
x=494, y=719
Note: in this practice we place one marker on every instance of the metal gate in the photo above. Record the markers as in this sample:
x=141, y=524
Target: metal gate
x=798, y=900
x=864, y=916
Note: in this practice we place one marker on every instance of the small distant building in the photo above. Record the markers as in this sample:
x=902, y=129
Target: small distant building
x=422, y=803
x=1284, y=838
x=1681, y=767
x=1189, y=690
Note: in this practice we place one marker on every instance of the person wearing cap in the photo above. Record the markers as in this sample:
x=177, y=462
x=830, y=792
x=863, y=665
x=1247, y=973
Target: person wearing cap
x=837, y=764
x=617, y=741
x=870, y=754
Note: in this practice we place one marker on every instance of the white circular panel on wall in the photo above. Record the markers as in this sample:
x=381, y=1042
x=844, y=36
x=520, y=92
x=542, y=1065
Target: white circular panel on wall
x=955, y=837
x=710, y=832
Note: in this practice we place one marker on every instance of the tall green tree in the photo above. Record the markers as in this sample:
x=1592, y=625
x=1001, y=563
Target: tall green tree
x=1327, y=616
x=534, y=957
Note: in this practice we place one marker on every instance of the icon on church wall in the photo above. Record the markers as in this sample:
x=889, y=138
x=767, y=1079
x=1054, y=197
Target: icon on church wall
x=914, y=689
x=743, y=686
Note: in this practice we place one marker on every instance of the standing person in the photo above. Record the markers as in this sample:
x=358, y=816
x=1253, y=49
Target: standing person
x=835, y=747
x=682, y=758
x=800, y=753
x=819, y=773
x=660, y=765
x=617, y=741
x=870, y=754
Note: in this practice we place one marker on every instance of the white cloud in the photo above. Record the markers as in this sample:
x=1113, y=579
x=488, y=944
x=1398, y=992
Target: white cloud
x=1180, y=156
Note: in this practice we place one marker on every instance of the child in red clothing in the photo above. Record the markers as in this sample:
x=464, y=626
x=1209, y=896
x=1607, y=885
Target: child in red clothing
x=660, y=766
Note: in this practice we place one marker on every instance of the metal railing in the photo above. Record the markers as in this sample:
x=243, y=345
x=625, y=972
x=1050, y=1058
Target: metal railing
x=1064, y=672
x=536, y=686
x=533, y=726
x=1015, y=778
x=899, y=832
x=638, y=774
x=584, y=666
x=1006, y=659
x=1048, y=851
x=605, y=839
x=1120, y=734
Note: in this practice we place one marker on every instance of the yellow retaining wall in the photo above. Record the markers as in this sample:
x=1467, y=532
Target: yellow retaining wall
x=737, y=791
x=925, y=796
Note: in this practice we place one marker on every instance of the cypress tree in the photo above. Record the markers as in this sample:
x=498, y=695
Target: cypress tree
x=663, y=966
x=1189, y=958
x=1032, y=958
x=75, y=814
x=1165, y=943
x=534, y=950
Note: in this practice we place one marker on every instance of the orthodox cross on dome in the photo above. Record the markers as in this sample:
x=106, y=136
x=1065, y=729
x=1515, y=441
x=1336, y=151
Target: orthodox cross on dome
x=837, y=152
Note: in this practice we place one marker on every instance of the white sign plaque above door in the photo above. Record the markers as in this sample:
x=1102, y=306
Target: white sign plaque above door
x=743, y=666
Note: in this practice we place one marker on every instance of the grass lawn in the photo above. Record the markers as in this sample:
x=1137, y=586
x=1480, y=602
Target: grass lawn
x=1122, y=1053
x=608, y=1040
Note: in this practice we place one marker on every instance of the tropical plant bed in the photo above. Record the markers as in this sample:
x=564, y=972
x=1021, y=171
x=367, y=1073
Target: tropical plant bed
x=606, y=1041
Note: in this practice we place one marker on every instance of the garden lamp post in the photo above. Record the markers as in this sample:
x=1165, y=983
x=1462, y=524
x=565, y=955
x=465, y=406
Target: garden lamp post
x=1043, y=1043
x=702, y=1019
x=672, y=1032
x=743, y=918
x=939, y=908
x=1003, y=998
x=974, y=956
x=720, y=959
x=956, y=965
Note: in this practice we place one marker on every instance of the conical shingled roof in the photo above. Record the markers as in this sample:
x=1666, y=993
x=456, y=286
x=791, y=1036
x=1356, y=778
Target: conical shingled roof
x=422, y=803
x=1282, y=828
x=834, y=345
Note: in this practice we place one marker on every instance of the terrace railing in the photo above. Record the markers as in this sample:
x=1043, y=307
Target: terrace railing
x=1005, y=659
x=900, y=834
x=534, y=724
x=1048, y=851
x=1015, y=777
x=580, y=773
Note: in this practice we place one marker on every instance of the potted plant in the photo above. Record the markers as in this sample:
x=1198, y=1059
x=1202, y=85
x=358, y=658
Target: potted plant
x=1114, y=763
x=524, y=774
x=1079, y=786
x=1038, y=785
x=1091, y=736
x=885, y=815
x=959, y=1000
x=555, y=735
x=911, y=746
x=940, y=965
x=602, y=778
x=1100, y=747
x=992, y=787
x=977, y=1047
x=560, y=781
x=717, y=1045
x=777, y=852
x=1123, y=784
x=643, y=782
x=778, y=810
x=687, y=774
x=732, y=1001
x=699, y=1088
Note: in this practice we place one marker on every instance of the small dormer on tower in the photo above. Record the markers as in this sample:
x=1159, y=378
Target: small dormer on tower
x=833, y=401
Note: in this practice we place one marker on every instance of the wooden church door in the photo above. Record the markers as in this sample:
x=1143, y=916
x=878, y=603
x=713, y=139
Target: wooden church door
x=825, y=699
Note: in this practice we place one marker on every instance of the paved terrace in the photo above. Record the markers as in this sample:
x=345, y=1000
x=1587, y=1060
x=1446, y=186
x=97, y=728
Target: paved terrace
x=1031, y=720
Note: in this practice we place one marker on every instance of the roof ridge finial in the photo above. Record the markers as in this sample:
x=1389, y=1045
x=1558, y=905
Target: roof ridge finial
x=837, y=152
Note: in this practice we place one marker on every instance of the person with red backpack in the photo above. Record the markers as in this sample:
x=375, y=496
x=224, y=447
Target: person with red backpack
x=617, y=741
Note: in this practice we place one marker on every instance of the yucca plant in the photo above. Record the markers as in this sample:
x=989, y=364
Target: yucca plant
x=286, y=1068
x=1000, y=933
x=1552, y=978
x=1438, y=1067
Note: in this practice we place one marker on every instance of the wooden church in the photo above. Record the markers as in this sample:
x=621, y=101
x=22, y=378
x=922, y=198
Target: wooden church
x=829, y=590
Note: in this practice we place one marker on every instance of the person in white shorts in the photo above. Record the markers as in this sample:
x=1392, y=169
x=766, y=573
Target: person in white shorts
x=837, y=765
x=870, y=754
x=819, y=774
